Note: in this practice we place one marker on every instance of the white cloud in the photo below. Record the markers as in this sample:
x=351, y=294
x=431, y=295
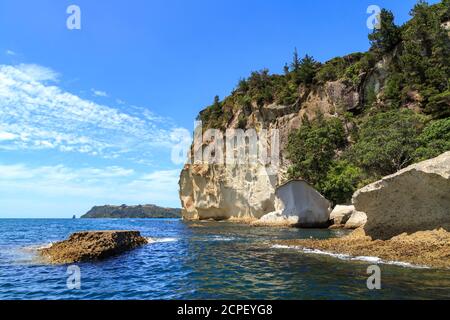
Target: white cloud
x=41, y=116
x=99, y=185
x=99, y=93
x=7, y=136
x=10, y=53
x=38, y=73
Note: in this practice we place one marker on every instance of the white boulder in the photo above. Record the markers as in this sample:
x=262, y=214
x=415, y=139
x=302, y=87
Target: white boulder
x=357, y=219
x=299, y=205
x=414, y=199
x=341, y=214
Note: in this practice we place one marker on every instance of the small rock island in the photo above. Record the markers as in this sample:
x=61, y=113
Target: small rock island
x=132, y=212
x=92, y=245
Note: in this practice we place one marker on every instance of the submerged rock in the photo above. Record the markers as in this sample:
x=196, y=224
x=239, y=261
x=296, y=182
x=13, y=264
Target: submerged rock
x=92, y=245
x=299, y=205
x=414, y=199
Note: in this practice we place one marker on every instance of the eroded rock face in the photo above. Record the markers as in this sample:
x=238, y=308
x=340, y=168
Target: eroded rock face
x=220, y=192
x=92, y=245
x=248, y=192
x=414, y=199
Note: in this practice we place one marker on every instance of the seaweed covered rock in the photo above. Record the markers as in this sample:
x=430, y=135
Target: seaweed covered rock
x=92, y=245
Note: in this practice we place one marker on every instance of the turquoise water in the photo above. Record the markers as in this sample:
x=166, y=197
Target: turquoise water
x=199, y=261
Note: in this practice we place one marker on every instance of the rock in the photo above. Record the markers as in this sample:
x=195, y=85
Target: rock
x=357, y=219
x=92, y=245
x=423, y=248
x=276, y=218
x=299, y=205
x=248, y=192
x=341, y=214
x=416, y=198
x=226, y=192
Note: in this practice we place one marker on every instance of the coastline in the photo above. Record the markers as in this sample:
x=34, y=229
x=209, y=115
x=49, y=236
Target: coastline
x=422, y=249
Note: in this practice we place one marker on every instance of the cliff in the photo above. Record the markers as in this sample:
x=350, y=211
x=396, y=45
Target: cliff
x=136, y=212
x=247, y=192
x=391, y=105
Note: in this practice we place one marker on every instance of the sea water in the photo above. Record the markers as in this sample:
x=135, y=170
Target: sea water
x=201, y=260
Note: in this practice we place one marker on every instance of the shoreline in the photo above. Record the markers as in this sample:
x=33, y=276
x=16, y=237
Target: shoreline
x=421, y=249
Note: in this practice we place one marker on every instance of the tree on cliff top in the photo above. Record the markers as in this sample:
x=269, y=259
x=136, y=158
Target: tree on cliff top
x=385, y=38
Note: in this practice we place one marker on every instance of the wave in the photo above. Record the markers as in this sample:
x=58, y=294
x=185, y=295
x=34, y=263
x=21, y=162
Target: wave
x=221, y=238
x=161, y=240
x=347, y=257
x=37, y=247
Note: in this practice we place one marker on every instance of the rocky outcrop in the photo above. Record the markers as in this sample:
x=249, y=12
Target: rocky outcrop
x=220, y=192
x=92, y=245
x=247, y=192
x=298, y=204
x=414, y=199
x=423, y=248
x=356, y=220
x=347, y=217
x=340, y=215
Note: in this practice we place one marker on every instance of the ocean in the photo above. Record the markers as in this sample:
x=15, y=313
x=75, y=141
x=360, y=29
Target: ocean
x=200, y=260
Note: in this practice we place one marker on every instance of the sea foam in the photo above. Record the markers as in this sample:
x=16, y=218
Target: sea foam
x=347, y=257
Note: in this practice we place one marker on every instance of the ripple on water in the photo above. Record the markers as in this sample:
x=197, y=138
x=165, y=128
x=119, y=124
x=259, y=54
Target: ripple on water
x=218, y=260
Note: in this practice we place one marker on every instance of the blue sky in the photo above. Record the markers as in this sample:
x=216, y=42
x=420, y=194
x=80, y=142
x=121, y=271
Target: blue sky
x=88, y=117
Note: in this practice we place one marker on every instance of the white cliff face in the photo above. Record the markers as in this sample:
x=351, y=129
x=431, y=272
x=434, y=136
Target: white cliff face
x=220, y=192
x=414, y=199
x=248, y=192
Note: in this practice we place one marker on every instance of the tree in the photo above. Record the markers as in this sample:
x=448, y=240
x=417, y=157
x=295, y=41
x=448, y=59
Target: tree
x=385, y=38
x=307, y=70
x=434, y=140
x=295, y=65
x=313, y=147
x=341, y=182
x=425, y=58
x=387, y=142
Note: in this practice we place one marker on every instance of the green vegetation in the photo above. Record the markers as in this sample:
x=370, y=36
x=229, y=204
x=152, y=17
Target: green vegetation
x=403, y=119
x=385, y=143
x=434, y=140
x=132, y=212
x=387, y=36
x=313, y=147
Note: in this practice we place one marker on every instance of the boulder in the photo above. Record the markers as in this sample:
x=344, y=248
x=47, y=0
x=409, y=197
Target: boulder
x=92, y=245
x=298, y=204
x=275, y=219
x=357, y=219
x=414, y=199
x=341, y=214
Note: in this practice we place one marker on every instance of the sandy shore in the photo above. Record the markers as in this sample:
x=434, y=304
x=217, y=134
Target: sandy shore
x=425, y=248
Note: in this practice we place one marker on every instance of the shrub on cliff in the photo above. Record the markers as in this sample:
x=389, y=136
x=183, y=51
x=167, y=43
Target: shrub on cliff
x=387, y=142
x=342, y=180
x=434, y=140
x=312, y=148
x=424, y=59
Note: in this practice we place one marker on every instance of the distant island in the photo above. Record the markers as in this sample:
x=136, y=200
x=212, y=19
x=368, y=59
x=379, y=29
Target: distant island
x=136, y=212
